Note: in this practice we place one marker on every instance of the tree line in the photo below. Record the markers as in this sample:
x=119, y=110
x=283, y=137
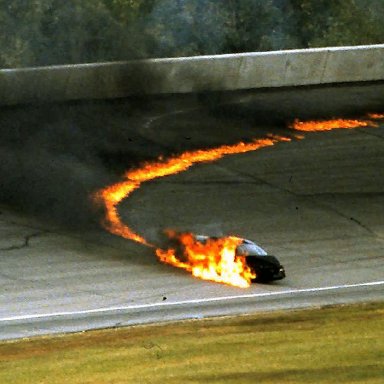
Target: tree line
x=48, y=32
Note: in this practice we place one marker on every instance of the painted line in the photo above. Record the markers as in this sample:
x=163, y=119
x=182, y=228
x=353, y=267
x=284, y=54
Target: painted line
x=195, y=301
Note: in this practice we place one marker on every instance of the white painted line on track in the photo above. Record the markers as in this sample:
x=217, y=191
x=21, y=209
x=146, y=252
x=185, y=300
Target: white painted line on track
x=195, y=301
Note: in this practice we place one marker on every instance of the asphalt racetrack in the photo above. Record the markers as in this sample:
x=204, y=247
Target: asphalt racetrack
x=316, y=203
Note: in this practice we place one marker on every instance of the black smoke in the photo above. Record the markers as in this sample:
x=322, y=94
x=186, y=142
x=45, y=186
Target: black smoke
x=53, y=157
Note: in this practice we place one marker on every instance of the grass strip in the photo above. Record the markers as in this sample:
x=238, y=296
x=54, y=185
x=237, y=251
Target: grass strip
x=343, y=344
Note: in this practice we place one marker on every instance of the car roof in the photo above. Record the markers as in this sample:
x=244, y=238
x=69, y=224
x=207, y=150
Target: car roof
x=247, y=247
x=250, y=248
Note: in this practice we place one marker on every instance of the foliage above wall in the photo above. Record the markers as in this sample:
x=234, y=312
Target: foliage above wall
x=46, y=32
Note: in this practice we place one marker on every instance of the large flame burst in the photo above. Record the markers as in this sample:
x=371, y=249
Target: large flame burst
x=216, y=259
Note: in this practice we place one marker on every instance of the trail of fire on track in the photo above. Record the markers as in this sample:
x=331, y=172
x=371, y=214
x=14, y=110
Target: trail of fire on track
x=216, y=260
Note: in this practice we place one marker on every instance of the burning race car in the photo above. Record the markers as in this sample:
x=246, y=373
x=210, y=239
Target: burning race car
x=230, y=259
x=266, y=267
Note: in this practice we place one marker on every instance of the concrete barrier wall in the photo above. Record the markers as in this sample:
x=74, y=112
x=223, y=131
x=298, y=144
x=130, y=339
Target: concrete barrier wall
x=192, y=74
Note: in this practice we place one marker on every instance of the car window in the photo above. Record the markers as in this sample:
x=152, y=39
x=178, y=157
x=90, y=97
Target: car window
x=250, y=249
x=247, y=247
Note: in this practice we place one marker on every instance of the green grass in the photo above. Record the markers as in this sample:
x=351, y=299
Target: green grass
x=329, y=345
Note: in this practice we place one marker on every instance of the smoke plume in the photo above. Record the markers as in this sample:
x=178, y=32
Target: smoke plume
x=53, y=157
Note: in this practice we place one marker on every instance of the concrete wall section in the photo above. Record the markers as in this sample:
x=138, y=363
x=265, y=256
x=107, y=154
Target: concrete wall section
x=345, y=65
x=192, y=74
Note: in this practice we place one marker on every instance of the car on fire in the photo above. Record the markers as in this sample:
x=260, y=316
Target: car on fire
x=266, y=267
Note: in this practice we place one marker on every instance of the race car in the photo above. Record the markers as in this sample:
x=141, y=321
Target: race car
x=266, y=267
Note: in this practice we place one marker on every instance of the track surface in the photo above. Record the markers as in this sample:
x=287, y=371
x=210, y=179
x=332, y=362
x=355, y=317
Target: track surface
x=318, y=204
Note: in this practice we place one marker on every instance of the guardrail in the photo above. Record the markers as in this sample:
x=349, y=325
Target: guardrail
x=192, y=74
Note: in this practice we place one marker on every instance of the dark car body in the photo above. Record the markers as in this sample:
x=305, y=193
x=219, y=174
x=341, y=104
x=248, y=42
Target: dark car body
x=266, y=267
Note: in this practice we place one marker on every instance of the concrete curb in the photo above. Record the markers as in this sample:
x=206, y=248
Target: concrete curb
x=192, y=74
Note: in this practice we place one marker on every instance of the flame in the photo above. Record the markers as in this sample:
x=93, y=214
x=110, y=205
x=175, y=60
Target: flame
x=111, y=196
x=375, y=116
x=328, y=125
x=214, y=260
